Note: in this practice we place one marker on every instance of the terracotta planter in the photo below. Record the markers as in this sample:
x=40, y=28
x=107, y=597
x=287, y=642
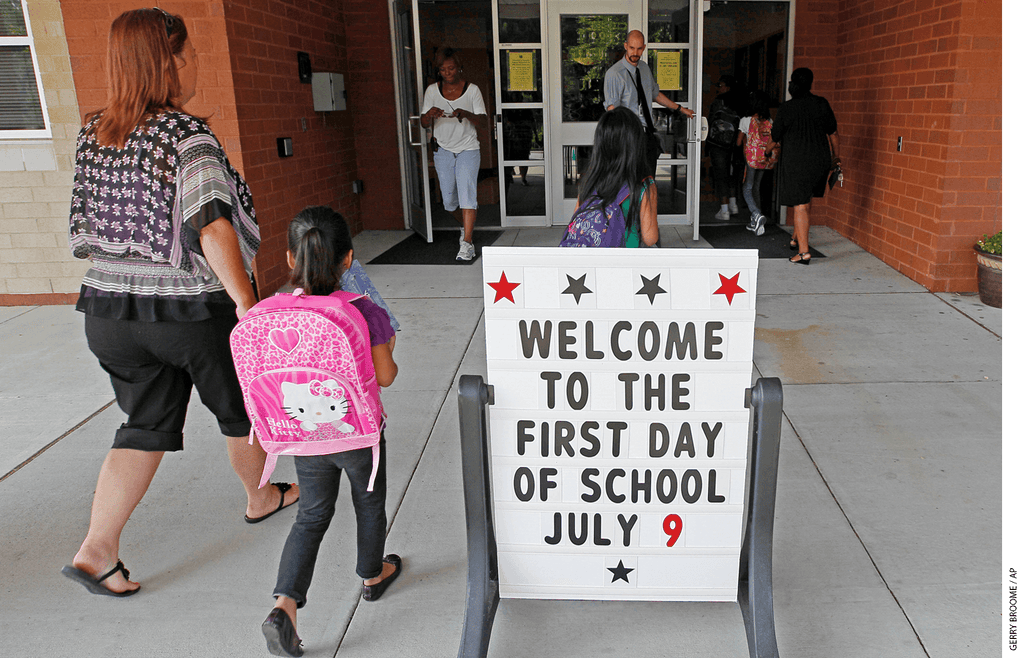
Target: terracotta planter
x=990, y=278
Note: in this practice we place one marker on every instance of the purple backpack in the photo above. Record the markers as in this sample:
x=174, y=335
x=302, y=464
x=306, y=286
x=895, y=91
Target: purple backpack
x=592, y=227
x=307, y=376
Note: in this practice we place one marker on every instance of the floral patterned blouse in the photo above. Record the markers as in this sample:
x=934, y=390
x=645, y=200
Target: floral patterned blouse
x=136, y=213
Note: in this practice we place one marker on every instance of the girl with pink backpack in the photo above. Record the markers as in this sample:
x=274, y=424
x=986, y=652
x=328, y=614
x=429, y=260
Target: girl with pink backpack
x=319, y=252
x=760, y=152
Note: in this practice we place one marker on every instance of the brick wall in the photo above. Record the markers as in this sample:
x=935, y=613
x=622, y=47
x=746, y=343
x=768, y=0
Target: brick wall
x=88, y=23
x=332, y=149
x=35, y=181
x=263, y=39
x=928, y=71
x=371, y=103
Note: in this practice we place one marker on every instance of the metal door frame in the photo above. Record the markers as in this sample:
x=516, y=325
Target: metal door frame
x=408, y=125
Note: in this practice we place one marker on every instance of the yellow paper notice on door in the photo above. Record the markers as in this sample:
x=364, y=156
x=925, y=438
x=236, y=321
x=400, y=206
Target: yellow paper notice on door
x=669, y=63
x=521, y=71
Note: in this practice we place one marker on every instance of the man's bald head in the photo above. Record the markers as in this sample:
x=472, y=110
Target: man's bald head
x=634, y=46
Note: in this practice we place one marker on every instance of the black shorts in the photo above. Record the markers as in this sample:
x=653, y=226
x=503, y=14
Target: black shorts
x=153, y=365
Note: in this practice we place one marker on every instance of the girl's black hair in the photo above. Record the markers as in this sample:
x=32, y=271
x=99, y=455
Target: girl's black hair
x=760, y=104
x=319, y=240
x=618, y=158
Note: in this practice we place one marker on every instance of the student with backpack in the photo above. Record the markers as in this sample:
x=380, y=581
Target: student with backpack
x=760, y=153
x=618, y=200
x=723, y=123
x=319, y=355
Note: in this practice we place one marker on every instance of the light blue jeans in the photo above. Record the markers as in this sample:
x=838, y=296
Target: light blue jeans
x=752, y=190
x=457, y=171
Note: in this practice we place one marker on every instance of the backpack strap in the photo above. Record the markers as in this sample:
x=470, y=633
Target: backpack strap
x=376, y=461
x=623, y=194
x=268, y=469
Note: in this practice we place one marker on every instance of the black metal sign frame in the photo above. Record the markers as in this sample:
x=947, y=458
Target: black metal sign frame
x=754, y=591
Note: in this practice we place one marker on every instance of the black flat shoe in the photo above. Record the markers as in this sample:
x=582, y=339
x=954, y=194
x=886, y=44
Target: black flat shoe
x=374, y=592
x=793, y=245
x=282, y=640
x=800, y=258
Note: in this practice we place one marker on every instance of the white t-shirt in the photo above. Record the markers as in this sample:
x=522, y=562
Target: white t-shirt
x=745, y=125
x=451, y=134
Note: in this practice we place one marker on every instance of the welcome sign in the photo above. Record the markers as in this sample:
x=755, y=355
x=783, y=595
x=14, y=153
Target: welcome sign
x=618, y=432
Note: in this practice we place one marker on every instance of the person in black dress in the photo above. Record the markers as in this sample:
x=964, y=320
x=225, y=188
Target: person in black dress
x=806, y=129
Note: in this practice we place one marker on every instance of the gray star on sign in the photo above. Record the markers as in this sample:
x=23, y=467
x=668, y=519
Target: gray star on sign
x=576, y=287
x=620, y=572
x=650, y=287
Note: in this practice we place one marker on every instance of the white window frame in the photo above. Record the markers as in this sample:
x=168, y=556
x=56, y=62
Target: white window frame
x=29, y=41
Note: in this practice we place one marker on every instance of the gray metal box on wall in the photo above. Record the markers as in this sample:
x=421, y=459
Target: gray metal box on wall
x=328, y=92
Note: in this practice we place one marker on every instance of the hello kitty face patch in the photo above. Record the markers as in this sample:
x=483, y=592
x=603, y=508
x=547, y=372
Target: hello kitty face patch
x=316, y=403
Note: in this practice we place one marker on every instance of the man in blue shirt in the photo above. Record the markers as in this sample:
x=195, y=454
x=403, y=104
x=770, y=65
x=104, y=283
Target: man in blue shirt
x=630, y=83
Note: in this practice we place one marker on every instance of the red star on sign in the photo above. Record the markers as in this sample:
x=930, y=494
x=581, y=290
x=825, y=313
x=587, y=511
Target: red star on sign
x=503, y=289
x=729, y=287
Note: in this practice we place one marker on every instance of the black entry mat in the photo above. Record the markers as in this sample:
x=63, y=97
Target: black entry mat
x=414, y=250
x=773, y=244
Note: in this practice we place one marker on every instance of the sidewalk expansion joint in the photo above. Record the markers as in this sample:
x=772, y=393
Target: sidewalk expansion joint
x=404, y=492
x=960, y=311
x=856, y=534
x=56, y=441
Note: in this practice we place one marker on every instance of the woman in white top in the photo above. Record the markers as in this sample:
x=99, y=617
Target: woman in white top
x=456, y=109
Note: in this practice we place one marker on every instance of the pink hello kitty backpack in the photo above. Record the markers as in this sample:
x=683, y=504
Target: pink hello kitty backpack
x=307, y=375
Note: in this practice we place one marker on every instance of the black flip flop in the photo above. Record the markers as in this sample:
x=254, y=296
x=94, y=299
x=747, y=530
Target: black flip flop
x=374, y=592
x=93, y=584
x=282, y=487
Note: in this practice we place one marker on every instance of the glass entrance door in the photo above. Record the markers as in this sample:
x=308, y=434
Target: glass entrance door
x=519, y=121
x=584, y=40
x=413, y=156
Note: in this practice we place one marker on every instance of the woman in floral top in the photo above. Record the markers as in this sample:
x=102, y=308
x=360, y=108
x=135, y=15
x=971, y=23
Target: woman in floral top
x=168, y=225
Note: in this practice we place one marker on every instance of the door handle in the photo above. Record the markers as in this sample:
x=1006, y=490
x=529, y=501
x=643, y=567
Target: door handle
x=700, y=132
x=412, y=140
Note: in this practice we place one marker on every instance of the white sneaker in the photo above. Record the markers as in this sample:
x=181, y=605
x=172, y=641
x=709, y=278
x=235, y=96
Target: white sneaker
x=752, y=226
x=759, y=225
x=723, y=215
x=733, y=208
x=466, y=251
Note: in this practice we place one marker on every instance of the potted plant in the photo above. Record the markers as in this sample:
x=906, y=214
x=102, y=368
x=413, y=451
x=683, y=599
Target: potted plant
x=989, y=250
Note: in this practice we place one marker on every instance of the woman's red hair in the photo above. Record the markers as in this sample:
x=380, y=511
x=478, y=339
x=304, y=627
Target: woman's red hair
x=142, y=74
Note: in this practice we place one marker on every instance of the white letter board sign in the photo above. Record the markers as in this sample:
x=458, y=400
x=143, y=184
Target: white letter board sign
x=618, y=433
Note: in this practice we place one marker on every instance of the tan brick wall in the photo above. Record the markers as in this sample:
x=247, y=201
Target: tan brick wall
x=34, y=202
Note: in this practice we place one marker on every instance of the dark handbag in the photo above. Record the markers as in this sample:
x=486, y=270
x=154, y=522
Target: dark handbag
x=835, y=176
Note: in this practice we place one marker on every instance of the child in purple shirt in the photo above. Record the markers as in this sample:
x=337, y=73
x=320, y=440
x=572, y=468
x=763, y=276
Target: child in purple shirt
x=319, y=251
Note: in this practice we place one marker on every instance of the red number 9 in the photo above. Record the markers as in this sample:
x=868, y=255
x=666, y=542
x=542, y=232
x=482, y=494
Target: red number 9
x=673, y=527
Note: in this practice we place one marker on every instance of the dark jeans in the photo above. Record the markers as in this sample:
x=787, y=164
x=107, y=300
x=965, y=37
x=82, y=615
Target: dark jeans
x=725, y=171
x=320, y=480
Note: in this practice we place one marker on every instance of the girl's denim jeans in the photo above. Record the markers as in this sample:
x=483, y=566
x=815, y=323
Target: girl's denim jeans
x=319, y=481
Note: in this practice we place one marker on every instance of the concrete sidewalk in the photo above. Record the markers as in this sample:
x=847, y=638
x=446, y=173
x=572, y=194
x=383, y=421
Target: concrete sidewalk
x=887, y=526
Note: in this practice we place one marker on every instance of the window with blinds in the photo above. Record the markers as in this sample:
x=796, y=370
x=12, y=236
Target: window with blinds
x=21, y=101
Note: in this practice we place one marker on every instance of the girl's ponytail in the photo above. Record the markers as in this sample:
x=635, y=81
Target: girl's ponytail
x=319, y=241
